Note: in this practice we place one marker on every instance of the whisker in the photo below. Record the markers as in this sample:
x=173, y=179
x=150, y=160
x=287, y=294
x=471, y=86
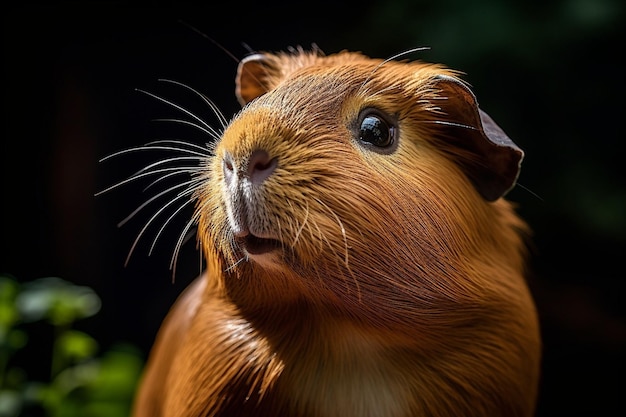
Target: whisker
x=152, y=219
x=200, y=257
x=212, y=133
x=178, y=210
x=179, y=243
x=161, y=170
x=216, y=111
x=134, y=178
x=391, y=58
x=178, y=107
x=147, y=168
x=453, y=124
x=407, y=52
x=304, y=222
x=181, y=170
x=346, y=247
x=205, y=151
x=320, y=235
x=233, y=266
x=530, y=191
x=153, y=198
x=204, y=35
x=151, y=148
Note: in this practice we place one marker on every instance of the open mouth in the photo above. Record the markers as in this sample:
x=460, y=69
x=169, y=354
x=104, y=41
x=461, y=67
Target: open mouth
x=257, y=246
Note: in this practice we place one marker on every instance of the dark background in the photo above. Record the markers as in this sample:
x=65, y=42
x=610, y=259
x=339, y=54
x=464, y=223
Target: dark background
x=549, y=72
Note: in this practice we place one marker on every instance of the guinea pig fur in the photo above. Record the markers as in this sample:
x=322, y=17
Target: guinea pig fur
x=360, y=258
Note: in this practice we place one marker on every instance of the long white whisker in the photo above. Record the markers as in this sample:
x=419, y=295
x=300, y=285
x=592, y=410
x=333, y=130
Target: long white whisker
x=213, y=41
x=168, y=160
x=391, y=58
x=346, y=247
x=304, y=222
x=180, y=196
x=178, y=210
x=204, y=150
x=212, y=132
x=176, y=106
x=529, y=191
x=179, y=243
x=407, y=52
x=181, y=170
x=153, y=198
x=152, y=148
x=242, y=259
x=136, y=177
x=143, y=230
x=453, y=124
x=216, y=111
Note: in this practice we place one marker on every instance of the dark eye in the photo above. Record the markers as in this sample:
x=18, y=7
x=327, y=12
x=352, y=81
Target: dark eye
x=376, y=130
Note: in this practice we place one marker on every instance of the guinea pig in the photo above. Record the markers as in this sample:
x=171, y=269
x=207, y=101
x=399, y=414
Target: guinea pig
x=360, y=257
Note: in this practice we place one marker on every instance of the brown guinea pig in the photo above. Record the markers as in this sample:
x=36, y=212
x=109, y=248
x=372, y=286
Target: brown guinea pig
x=360, y=258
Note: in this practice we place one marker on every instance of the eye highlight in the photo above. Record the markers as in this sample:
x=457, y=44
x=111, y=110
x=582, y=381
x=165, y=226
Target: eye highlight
x=376, y=130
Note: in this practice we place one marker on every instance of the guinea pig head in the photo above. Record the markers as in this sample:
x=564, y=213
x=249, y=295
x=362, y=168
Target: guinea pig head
x=346, y=179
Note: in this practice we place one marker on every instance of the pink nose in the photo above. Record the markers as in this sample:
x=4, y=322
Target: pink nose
x=259, y=167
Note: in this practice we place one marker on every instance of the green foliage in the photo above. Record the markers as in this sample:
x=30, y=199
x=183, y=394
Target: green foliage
x=82, y=382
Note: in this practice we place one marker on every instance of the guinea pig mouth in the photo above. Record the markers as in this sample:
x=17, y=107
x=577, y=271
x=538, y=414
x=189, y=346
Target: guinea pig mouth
x=255, y=245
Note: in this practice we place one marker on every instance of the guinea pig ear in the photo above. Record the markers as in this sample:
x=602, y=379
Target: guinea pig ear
x=487, y=155
x=254, y=76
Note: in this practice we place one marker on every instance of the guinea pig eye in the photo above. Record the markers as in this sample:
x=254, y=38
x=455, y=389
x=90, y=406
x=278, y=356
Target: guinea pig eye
x=376, y=130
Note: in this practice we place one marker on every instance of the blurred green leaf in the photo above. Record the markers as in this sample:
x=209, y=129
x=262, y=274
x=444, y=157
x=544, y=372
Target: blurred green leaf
x=76, y=377
x=99, y=387
x=120, y=369
x=56, y=300
x=10, y=403
x=8, y=313
x=75, y=345
x=14, y=339
x=8, y=317
x=8, y=289
x=15, y=377
x=105, y=409
x=81, y=384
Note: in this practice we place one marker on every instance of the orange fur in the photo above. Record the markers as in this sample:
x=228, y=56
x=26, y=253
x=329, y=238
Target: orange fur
x=398, y=289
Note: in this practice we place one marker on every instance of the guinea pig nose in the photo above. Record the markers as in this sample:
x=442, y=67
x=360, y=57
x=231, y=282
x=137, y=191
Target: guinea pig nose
x=260, y=166
x=228, y=167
